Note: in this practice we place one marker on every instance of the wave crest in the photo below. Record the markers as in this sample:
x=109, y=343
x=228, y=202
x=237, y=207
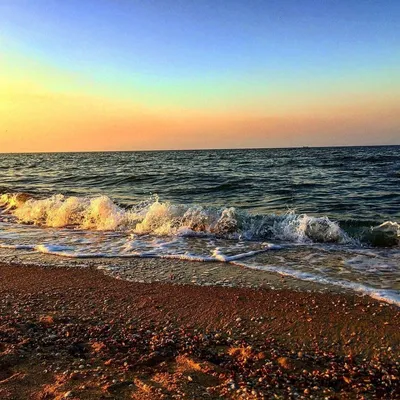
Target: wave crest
x=164, y=218
x=386, y=234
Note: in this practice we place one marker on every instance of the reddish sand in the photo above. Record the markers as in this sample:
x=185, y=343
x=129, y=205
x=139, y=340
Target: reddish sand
x=76, y=333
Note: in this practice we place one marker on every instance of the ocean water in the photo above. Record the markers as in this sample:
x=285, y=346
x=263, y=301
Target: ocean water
x=321, y=214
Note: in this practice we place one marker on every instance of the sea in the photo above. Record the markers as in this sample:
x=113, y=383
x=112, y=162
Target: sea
x=327, y=215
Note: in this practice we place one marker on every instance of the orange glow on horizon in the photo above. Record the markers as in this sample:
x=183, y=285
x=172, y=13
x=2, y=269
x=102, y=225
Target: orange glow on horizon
x=43, y=109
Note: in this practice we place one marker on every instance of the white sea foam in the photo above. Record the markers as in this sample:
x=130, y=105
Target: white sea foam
x=52, y=249
x=386, y=234
x=220, y=256
x=17, y=246
x=163, y=218
x=390, y=296
x=97, y=227
x=11, y=201
x=389, y=226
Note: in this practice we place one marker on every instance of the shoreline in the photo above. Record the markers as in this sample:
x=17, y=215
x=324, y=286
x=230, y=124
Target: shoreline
x=83, y=334
x=178, y=271
x=169, y=271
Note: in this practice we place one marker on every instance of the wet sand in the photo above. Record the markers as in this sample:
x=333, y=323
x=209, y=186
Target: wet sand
x=81, y=334
x=169, y=270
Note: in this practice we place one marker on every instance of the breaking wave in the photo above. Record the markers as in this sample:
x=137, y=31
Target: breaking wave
x=164, y=218
x=94, y=227
x=386, y=234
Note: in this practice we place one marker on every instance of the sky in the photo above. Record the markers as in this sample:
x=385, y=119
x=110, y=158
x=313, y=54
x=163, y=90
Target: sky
x=99, y=75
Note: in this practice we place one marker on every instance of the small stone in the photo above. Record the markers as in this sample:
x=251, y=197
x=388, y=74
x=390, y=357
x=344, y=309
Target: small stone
x=284, y=362
x=47, y=320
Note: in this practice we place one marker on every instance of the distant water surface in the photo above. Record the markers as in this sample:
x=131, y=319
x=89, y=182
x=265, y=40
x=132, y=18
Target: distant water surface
x=315, y=213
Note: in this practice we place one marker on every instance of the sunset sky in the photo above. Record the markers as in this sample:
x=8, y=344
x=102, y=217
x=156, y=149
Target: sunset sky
x=135, y=75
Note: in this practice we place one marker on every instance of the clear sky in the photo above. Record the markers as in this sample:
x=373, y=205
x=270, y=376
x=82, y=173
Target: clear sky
x=162, y=74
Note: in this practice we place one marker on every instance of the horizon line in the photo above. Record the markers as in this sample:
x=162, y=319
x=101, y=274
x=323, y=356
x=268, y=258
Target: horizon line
x=199, y=149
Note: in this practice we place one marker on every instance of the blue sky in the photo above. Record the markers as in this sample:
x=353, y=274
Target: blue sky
x=175, y=56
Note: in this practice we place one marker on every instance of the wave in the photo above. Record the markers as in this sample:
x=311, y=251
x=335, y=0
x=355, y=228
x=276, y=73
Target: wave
x=386, y=234
x=96, y=227
x=164, y=218
x=70, y=252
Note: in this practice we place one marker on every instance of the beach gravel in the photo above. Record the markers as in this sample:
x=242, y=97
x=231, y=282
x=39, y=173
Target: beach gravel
x=79, y=334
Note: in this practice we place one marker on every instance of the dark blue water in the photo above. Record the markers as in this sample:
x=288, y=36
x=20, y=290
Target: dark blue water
x=325, y=214
x=347, y=183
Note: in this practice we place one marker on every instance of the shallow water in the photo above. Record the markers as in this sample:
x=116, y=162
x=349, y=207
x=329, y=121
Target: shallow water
x=328, y=215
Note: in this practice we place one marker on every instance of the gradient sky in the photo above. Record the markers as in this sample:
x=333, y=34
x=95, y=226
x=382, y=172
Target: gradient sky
x=133, y=75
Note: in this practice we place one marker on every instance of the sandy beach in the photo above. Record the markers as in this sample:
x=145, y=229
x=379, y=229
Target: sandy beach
x=80, y=334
